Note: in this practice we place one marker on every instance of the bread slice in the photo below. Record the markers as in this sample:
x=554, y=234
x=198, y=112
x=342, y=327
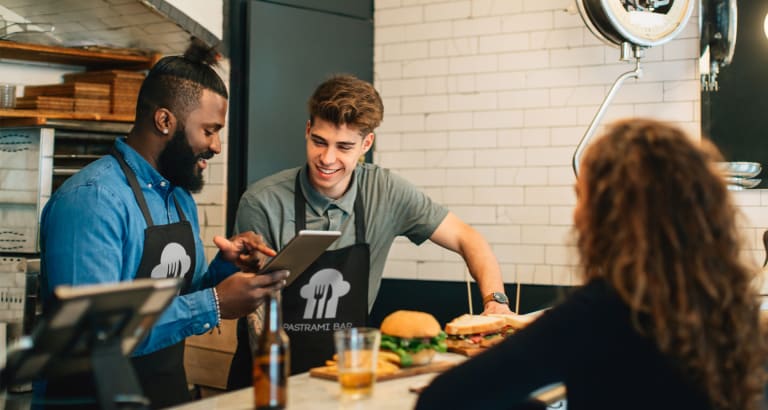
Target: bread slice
x=471, y=324
x=516, y=321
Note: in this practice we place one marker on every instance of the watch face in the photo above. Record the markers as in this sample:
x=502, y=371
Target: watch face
x=648, y=22
x=500, y=297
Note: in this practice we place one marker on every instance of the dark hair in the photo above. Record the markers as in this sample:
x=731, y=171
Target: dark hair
x=654, y=219
x=347, y=100
x=177, y=82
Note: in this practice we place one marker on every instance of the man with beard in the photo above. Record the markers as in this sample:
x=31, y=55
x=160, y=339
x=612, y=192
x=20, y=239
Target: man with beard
x=131, y=215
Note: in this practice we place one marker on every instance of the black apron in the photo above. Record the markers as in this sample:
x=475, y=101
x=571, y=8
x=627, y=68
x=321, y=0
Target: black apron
x=331, y=294
x=169, y=251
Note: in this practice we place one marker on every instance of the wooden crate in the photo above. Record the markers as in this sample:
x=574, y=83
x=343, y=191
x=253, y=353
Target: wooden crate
x=124, y=87
x=44, y=103
x=72, y=90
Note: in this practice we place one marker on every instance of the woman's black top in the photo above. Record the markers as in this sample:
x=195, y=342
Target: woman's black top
x=589, y=344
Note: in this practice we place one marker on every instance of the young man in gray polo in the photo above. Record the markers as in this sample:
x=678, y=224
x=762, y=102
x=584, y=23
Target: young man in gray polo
x=369, y=204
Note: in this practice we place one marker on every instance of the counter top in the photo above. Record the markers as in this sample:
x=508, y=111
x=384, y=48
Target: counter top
x=305, y=392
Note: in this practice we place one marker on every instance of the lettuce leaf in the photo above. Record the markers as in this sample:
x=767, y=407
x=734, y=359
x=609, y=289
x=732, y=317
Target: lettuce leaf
x=404, y=347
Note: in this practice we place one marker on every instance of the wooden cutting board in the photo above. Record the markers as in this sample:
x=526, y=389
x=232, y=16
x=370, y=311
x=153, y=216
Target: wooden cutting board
x=45, y=103
x=467, y=351
x=329, y=373
x=72, y=90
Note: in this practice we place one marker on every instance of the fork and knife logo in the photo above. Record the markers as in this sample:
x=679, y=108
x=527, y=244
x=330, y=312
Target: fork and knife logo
x=174, y=262
x=322, y=293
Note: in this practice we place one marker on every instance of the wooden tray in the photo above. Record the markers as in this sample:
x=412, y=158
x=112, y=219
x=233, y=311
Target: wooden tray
x=76, y=90
x=105, y=76
x=124, y=87
x=45, y=103
x=325, y=372
x=92, y=105
x=467, y=351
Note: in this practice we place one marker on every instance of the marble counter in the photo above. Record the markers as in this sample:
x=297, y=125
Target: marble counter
x=306, y=393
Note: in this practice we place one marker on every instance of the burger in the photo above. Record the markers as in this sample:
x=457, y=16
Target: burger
x=413, y=336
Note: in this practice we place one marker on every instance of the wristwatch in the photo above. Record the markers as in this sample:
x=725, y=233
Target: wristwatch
x=496, y=297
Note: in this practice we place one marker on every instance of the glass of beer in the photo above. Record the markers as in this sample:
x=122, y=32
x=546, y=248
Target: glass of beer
x=357, y=350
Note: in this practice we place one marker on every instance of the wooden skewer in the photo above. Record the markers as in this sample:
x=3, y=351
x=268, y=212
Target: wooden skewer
x=469, y=290
x=517, y=299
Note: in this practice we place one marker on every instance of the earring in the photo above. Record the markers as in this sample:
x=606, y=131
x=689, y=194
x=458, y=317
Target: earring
x=165, y=131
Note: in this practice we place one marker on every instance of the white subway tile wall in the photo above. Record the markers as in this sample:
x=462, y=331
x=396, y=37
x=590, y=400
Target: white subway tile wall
x=485, y=101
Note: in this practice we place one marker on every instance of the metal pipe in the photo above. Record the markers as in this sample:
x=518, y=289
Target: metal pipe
x=636, y=73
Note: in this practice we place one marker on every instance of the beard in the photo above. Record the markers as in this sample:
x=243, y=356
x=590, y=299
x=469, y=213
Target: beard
x=178, y=163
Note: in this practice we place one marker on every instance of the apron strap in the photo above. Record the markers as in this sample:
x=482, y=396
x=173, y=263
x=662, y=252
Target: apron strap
x=182, y=217
x=137, y=190
x=359, y=218
x=134, y=183
x=300, y=209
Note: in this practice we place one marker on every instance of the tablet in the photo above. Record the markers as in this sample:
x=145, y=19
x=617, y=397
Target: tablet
x=300, y=252
x=82, y=319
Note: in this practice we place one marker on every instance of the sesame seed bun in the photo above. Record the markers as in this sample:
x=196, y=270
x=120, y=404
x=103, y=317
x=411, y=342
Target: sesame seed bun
x=410, y=324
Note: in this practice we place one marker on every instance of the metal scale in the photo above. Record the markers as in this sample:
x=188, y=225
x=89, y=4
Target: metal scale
x=633, y=26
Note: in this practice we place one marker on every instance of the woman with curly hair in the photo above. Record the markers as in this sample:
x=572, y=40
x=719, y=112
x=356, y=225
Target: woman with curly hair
x=668, y=317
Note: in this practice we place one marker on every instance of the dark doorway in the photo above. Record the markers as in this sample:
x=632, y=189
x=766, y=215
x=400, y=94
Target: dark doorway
x=280, y=51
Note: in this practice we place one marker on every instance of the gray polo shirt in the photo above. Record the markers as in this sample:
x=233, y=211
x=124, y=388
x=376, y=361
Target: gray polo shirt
x=393, y=207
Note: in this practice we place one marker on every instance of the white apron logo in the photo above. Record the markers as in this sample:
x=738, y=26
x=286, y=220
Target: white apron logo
x=174, y=262
x=322, y=294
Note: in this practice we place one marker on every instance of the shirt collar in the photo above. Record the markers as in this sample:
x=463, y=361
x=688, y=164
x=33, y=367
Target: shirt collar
x=321, y=203
x=145, y=173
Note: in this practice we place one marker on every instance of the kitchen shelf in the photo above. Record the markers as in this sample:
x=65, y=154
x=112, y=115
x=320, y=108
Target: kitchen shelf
x=119, y=59
x=92, y=59
x=34, y=117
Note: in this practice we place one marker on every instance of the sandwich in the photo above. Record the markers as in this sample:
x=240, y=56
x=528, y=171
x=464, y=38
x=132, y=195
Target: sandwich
x=413, y=336
x=517, y=322
x=471, y=331
x=474, y=331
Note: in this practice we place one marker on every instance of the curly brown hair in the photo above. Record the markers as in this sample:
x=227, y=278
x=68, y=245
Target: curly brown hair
x=654, y=219
x=347, y=100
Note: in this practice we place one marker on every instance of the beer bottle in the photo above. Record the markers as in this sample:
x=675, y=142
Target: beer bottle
x=271, y=361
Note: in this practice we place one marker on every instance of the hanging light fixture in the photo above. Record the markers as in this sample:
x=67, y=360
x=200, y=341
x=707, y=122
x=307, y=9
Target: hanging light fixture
x=765, y=25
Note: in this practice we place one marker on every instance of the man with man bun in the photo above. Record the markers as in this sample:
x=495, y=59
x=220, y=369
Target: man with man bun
x=131, y=215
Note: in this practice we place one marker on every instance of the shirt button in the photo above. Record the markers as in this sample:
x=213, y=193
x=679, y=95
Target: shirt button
x=149, y=185
x=162, y=183
x=207, y=326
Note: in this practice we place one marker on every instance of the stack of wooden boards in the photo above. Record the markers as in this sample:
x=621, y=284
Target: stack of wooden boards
x=101, y=92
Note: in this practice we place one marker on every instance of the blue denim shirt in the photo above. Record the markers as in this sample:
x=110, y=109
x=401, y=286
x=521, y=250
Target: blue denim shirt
x=92, y=231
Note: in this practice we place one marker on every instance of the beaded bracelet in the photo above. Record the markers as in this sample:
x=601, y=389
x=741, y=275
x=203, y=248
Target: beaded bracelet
x=218, y=309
